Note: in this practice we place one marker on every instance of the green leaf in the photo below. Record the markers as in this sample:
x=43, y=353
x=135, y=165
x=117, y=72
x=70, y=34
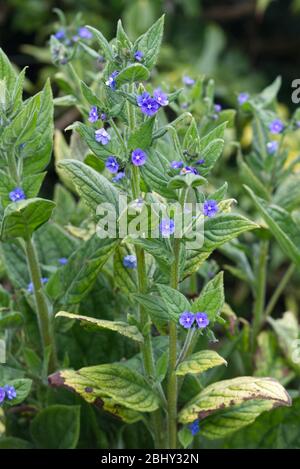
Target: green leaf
x=10, y=319
x=7, y=72
x=234, y=392
x=287, y=195
x=91, y=186
x=175, y=302
x=95, y=324
x=125, y=279
x=11, y=442
x=281, y=225
x=15, y=263
x=218, y=231
x=185, y=437
x=211, y=154
x=88, y=135
x=278, y=429
x=212, y=299
x=154, y=172
x=149, y=43
x=142, y=136
x=248, y=176
x=125, y=386
x=132, y=73
x=154, y=305
x=103, y=43
x=22, y=218
x=71, y=283
x=56, y=427
x=199, y=362
x=37, y=151
x=122, y=37
x=158, y=248
x=287, y=331
x=22, y=387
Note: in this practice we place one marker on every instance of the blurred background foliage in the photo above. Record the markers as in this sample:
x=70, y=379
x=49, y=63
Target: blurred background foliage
x=243, y=44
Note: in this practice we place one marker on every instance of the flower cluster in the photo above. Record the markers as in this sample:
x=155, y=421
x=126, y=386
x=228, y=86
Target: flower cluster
x=150, y=105
x=130, y=261
x=7, y=392
x=187, y=319
x=194, y=427
x=17, y=194
x=30, y=287
x=81, y=33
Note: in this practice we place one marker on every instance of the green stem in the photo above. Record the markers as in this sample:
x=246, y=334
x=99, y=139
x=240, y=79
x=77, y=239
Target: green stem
x=278, y=291
x=44, y=320
x=146, y=347
x=261, y=283
x=172, y=378
x=118, y=134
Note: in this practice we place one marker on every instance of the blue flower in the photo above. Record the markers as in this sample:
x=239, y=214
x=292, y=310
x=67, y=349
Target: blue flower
x=119, y=176
x=111, y=82
x=17, y=194
x=103, y=116
x=166, y=227
x=2, y=395
x=201, y=161
x=30, y=287
x=218, y=108
x=130, y=261
x=101, y=136
x=142, y=98
x=10, y=392
x=160, y=97
x=272, y=147
x=210, y=208
x=276, y=126
x=188, y=81
x=84, y=33
x=138, y=55
x=112, y=165
x=138, y=157
x=194, y=427
x=63, y=260
x=202, y=320
x=242, y=98
x=93, y=115
x=188, y=170
x=176, y=164
x=60, y=34
x=150, y=107
x=186, y=319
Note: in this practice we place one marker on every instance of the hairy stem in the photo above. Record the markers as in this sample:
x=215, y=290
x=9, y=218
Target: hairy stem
x=44, y=320
x=172, y=378
x=279, y=289
x=261, y=282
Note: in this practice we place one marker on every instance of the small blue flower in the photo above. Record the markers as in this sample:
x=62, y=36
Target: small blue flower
x=2, y=395
x=202, y=320
x=119, y=176
x=166, y=227
x=272, y=147
x=111, y=82
x=130, y=261
x=242, y=98
x=160, y=97
x=112, y=165
x=201, y=161
x=85, y=33
x=150, y=107
x=186, y=319
x=142, y=98
x=188, y=170
x=60, y=34
x=194, y=427
x=101, y=136
x=276, y=126
x=63, y=260
x=93, y=115
x=10, y=392
x=138, y=157
x=75, y=38
x=188, y=81
x=176, y=164
x=103, y=116
x=138, y=55
x=17, y=194
x=210, y=208
x=218, y=108
x=30, y=287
